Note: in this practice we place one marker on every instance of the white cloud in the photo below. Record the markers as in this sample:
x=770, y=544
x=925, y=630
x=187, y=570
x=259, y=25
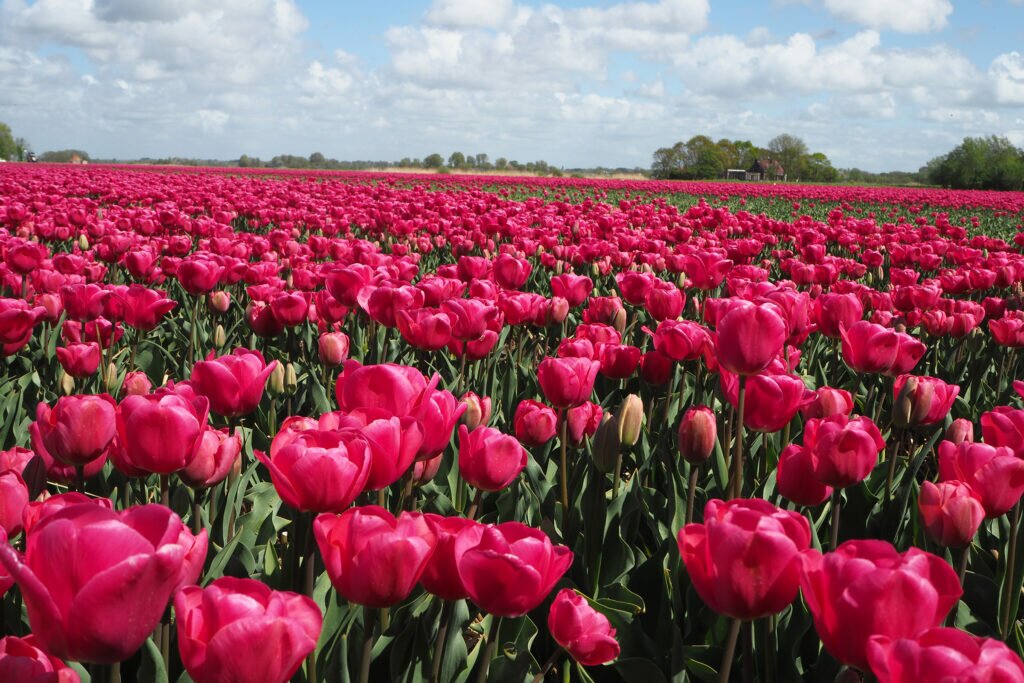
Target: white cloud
x=905, y=16
x=1007, y=75
x=471, y=13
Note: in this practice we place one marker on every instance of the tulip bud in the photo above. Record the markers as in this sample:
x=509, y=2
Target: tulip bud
x=67, y=384
x=333, y=347
x=83, y=242
x=606, y=445
x=698, y=432
x=478, y=410
x=619, y=320
x=219, y=301
x=291, y=380
x=630, y=419
x=276, y=383
x=219, y=336
x=960, y=430
x=903, y=406
x=595, y=270
x=136, y=383
x=111, y=378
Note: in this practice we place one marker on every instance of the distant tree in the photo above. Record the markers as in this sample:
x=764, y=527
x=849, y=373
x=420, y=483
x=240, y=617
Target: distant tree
x=668, y=161
x=991, y=163
x=316, y=159
x=457, y=160
x=244, y=161
x=21, y=148
x=8, y=147
x=819, y=169
x=481, y=161
x=790, y=151
x=435, y=160
x=63, y=156
x=501, y=163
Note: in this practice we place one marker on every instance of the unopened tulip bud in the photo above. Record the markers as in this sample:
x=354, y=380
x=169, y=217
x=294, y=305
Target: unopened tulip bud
x=630, y=419
x=478, y=410
x=606, y=445
x=619, y=320
x=291, y=380
x=961, y=430
x=595, y=270
x=903, y=405
x=83, y=242
x=333, y=347
x=136, y=384
x=220, y=337
x=275, y=385
x=558, y=310
x=111, y=378
x=930, y=400
x=67, y=384
x=698, y=432
x=219, y=301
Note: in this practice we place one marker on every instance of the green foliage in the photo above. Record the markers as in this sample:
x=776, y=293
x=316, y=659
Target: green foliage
x=8, y=147
x=63, y=156
x=982, y=163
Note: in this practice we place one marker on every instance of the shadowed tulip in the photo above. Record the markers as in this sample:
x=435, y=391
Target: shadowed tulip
x=585, y=633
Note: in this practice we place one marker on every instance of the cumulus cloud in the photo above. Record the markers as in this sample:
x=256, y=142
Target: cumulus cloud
x=905, y=16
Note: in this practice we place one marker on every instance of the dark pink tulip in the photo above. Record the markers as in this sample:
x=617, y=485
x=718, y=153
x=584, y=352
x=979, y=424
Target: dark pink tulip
x=1004, y=426
x=619, y=361
x=262, y=321
x=567, y=382
x=441, y=575
x=96, y=582
x=1018, y=386
x=233, y=383
x=425, y=328
x=470, y=318
x=706, y=269
x=771, y=400
x=868, y=347
x=573, y=288
x=922, y=400
x=656, y=368
x=960, y=430
x=77, y=430
x=836, y=312
x=827, y=402
x=951, y=512
x=13, y=501
x=749, y=337
x=79, y=360
x=603, y=309
x=333, y=348
x=392, y=388
x=488, y=459
x=795, y=479
x=698, y=433
x=290, y=308
x=372, y=558
x=508, y=569
x=634, y=286
x=198, y=276
x=136, y=383
x=320, y=471
x=511, y=272
x=585, y=633
x=162, y=432
x=664, y=301
x=744, y=559
x=843, y=450
x=535, y=423
x=384, y=302
x=144, y=307
x=23, y=661
x=681, y=340
x=229, y=616
x=994, y=473
x=217, y=454
x=867, y=588
x=37, y=511
x=394, y=443
x=478, y=410
x=943, y=654
x=438, y=412
x=583, y=420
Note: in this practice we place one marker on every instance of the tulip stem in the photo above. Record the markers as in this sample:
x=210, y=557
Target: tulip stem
x=965, y=558
x=691, y=491
x=115, y=672
x=369, y=619
x=563, y=469
x=475, y=505
x=736, y=485
x=1011, y=562
x=492, y=646
x=165, y=490
x=552, y=660
x=730, y=651
x=837, y=499
x=309, y=568
x=442, y=638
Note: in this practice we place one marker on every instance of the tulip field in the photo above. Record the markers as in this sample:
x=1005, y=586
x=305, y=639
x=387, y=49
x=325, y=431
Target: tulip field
x=260, y=426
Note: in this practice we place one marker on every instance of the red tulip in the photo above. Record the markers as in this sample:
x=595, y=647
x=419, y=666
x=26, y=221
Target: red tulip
x=698, y=432
x=771, y=401
x=567, y=382
x=843, y=450
x=229, y=616
x=994, y=474
x=488, y=459
x=161, y=432
x=795, y=478
x=749, y=337
x=441, y=576
x=1004, y=427
x=943, y=654
x=320, y=471
x=867, y=588
x=681, y=340
x=951, y=512
x=585, y=633
x=425, y=328
x=573, y=288
x=372, y=558
x=136, y=383
x=96, y=582
x=868, y=347
x=744, y=559
x=828, y=402
x=333, y=348
x=23, y=661
x=77, y=430
x=921, y=401
x=144, y=307
x=535, y=423
x=79, y=360
x=234, y=383
x=835, y=312
x=508, y=569
x=217, y=454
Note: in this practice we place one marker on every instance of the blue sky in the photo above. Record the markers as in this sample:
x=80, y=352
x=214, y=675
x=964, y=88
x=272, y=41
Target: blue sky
x=877, y=84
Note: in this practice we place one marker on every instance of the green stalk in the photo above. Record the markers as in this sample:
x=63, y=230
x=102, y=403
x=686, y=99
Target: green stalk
x=1011, y=569
x=492, y=647
x=736, y=485
x=730, y=651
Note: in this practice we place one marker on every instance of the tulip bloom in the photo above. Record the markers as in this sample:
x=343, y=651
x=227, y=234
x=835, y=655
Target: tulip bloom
x=478, y=410
x=744, y=559
x=573, y=288
x=681, y=340
x=698, y=432
x=951, y=512
x=535, y=423
x=1004, y=426
x=921, y=400
x=96, y=582
x=425, y=328
x=23, y=661
x=333, y=348
x=585, y=633
x=320, y=471
x=441, y=575
x=161, y=432
x=771, y=401
x=234, y=383
x=217, y=623
x=867, y=588
x=843, y=450
x=795, y=477
x=136, y=383
x=13, y=500
x=372, y=558
x=79, y=360
x=828, y=402
x=217, y=454
x=144, y=307
x=835, y=312
x=567, y=382
x=868, y=347
x=749, y=337
x=508, y=569
x=994, y=474
x=394, y=443
x=77, y=430
x=943, y=654
x=488, y=459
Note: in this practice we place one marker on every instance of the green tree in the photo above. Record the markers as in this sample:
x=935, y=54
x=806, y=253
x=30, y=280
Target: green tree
x=316, y=159
x=501, y=163
x=8, y=147
x=668, y=161
x=435, y=160
x=991, y=163
x=63, y=156
x=790, y=152
x=819, y=169
x=457, y=160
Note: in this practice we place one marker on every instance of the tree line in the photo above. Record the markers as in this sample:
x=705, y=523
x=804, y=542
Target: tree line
x=982, y=163
x=701, y=158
